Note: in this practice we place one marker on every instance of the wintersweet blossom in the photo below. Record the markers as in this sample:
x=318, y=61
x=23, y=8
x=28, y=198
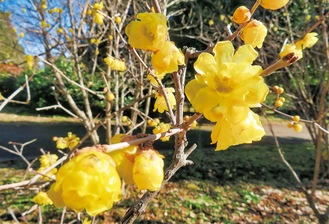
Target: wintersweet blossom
x=98, y=17
x=42, y=199
x=167, y=59
x=46, y=161
x=227, y=134
x=254, y=33
x=148, y=31
x=291, y=48
x=308, y=41
x=273, y=4
x=160, y=102
x=30, y=61
x=115, y=64
x=67, y=142
x=297, y=49
x=227, y=86
x=160, y=128
x=88, y=181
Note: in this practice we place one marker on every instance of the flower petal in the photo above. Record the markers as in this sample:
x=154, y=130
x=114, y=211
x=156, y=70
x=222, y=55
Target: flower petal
x=245, y=54
x=223, y=51
x=205, y=64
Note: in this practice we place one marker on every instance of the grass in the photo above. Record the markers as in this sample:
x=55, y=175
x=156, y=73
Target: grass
x=243, y=184
x=246, y=183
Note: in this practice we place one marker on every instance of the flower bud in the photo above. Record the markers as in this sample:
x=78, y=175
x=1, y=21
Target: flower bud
x=254, y=33
x=124, y=158
x=241, y=15
x=148, y=170
x=273, y=4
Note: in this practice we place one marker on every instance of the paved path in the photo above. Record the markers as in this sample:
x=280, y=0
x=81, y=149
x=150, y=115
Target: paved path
x=43, y=132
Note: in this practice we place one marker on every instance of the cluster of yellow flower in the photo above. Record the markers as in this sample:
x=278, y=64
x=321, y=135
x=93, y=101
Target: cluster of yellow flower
x=144, y=168
x=29, y=61
x=91, y=180
x=98, y=17
x=149, y=32
x=67, y=142
x=297, y=49
x=160, y=102
x=115, y=64
x=46, y=161
x=160, y=128
x=43, y=4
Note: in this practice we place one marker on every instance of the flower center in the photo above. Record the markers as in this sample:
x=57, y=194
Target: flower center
x=223, y=85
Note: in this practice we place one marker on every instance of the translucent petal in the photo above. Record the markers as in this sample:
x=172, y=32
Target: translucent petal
x=205, y=99
x=191, y=89
x=205, y=64
x=224, y=51
x=245, y=54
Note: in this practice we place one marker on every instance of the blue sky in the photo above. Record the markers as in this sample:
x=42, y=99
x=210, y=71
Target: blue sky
x=25, y=19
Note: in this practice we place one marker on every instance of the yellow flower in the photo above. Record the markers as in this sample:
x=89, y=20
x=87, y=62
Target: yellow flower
x=160, y=102
x=43, y=24
x=254, y=33
x=115, y=64
x=98, y=6
x=58, y=10
x=88, y=181
x=43, y=6
x=29, y=61
x=124, y=158
x=153, y=122
x=160, y=128
x=42, y=199
x=47, y=160
x=211, y=22
x=241, y=15
x=167, y=59
x=159, y=76
x=291, y=48
x=148, y=31
x=308, y=41
x=148, y=170
x=47, y=176
x=98, y=18
x=68, y=142
x=273, y=4
x=87, y=221
x=21, y=34
x=227, y=134
x=227, y=85
x=59, y=30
